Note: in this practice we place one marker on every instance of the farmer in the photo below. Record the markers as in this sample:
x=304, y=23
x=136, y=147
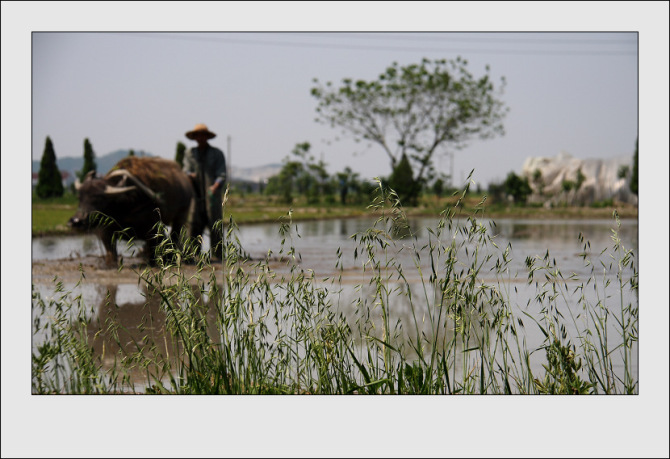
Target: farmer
x=206, y=166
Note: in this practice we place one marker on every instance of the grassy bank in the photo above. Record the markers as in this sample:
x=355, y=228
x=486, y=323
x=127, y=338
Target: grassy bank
x=50, y=216
x=259, y=332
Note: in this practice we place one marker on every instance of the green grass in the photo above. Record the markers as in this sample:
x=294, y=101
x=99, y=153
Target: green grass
x=259, y=331
x=50, y=216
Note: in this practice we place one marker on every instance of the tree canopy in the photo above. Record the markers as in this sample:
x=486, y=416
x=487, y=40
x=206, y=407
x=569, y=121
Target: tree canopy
x=303, y=175
x=416, y=109
x=517, y=187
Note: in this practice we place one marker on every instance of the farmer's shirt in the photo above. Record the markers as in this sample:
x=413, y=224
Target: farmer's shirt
x=208, y=165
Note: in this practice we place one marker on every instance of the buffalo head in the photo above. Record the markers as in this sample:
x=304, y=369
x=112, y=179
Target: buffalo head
x=96, y=194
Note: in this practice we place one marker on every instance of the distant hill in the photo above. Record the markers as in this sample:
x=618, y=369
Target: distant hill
x=106, y=162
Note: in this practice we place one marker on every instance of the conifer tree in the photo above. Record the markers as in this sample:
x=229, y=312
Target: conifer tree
x=403, y=183
x=179, y=157
x=89, y=160
x=438, y=187
x=49, y=183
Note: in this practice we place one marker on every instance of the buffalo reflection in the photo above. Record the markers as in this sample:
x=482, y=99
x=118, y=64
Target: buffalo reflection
x=133, y=339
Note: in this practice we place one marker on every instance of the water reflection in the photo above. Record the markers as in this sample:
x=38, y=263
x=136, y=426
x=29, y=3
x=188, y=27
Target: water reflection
x=126, y=324
x=560, y=232
x=318, y=241
x=77, y=246
x=123, y=323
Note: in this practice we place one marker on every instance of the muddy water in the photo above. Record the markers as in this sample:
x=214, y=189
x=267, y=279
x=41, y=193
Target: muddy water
x=317, y=242
x=316, y=246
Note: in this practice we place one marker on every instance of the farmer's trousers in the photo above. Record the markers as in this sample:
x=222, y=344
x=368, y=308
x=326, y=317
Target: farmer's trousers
x=201, y=220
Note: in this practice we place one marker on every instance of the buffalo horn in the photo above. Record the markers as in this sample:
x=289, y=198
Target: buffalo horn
x=90, y=175
x=118, y=189
x=127, y=175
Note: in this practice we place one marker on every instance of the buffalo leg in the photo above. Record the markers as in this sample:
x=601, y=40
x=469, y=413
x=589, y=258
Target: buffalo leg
x=111, y=255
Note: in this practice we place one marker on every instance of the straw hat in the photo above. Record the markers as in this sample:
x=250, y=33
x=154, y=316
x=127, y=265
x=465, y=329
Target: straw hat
x=199, y=129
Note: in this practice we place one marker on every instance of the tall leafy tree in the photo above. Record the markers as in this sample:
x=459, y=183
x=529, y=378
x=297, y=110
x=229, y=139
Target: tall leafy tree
x=415, y=110
x=302, y=175
x=353, y=189
x=517, y=187
x=89, y=160
x=347, y=181
x=49, y=182
x=283, y=184
x=438, y=187
x=179, y=156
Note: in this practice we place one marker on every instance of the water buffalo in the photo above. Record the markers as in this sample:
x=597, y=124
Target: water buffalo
x=132, y=198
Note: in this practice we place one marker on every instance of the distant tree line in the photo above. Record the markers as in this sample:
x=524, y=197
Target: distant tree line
x=302, y=175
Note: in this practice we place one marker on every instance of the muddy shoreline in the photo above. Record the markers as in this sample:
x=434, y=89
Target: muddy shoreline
x=92, y=269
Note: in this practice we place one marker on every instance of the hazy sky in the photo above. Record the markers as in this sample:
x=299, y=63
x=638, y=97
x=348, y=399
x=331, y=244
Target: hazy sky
x=572, y=92
x=566, y=92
